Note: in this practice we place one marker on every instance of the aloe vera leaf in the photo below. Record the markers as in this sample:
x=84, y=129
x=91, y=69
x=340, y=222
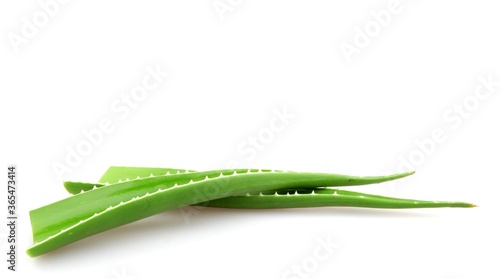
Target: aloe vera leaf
x=79, y=216
x=288, y=198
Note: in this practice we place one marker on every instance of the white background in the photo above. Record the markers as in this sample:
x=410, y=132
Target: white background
x=229, y=74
